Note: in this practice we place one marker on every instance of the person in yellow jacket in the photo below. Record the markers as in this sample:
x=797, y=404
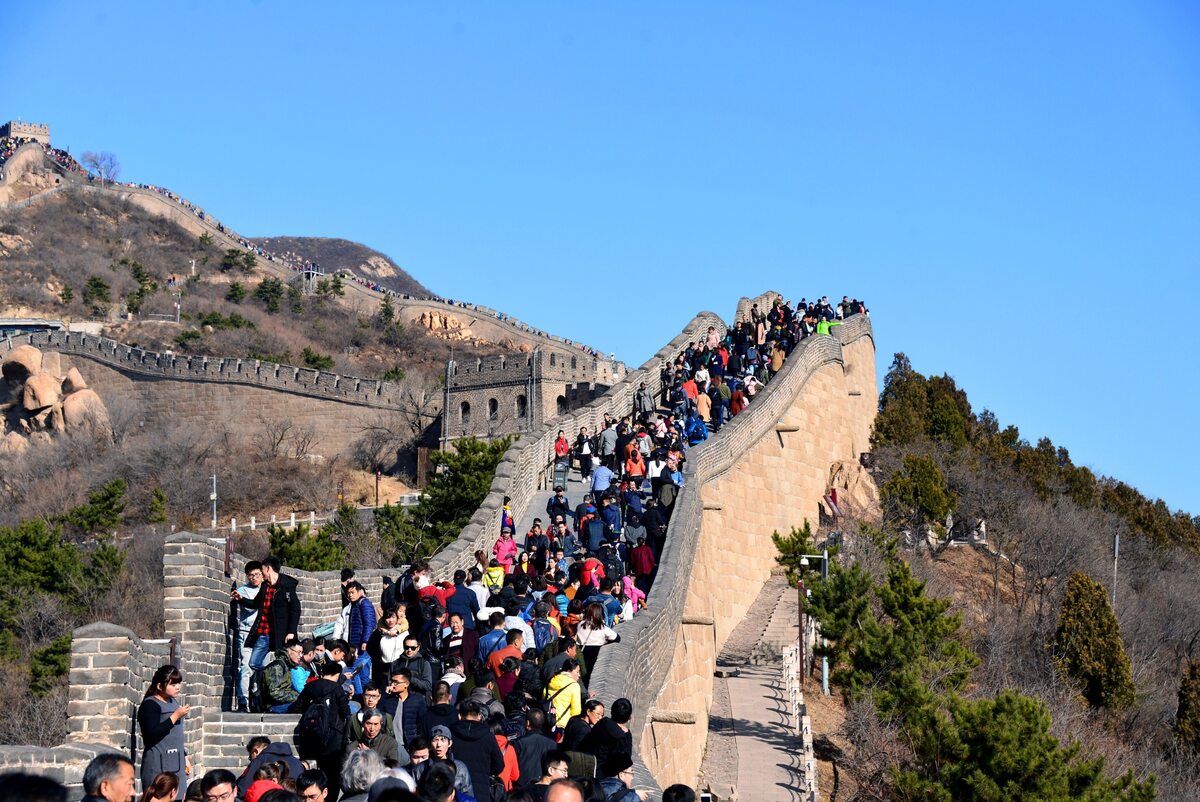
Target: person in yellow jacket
x=565, y=693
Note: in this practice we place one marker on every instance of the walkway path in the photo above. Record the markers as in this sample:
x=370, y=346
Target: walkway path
x=752, y=751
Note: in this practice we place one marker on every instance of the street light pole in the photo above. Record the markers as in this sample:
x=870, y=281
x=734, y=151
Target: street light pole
x=824, y=558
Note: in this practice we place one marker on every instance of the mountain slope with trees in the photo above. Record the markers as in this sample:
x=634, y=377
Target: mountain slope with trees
x=974, y=636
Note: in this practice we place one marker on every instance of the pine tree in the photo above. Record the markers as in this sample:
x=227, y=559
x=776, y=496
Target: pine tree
x=156, y=510
x=1088, y=648
x=918, y=494
x=1001, y=749
x=792, y=549
x=903, y=405
x=1187, y=717
x=307, y=550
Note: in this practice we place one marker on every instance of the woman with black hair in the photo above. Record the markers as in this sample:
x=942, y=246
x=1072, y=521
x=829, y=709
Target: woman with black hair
x=160, y=720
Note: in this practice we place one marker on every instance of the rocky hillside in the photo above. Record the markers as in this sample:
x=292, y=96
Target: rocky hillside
x=92, y=257
x=342, y=254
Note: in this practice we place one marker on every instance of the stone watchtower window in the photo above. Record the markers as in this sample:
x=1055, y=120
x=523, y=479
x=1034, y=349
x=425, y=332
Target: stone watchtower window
x=522, y=406
x=464, y=412
x=562, y=405
x=572, y=363
x=493, y=408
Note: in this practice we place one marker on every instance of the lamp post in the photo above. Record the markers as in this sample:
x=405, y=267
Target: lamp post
x=804, y=563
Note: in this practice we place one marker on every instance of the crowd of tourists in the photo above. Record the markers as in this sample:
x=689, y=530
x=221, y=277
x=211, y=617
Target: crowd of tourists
x=475, y=686
x=10, y=144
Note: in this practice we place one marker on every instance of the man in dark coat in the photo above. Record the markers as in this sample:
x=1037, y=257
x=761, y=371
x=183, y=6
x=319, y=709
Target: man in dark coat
x=279, y=613
x=475, y=746
x=532, y=747
x=326, y=690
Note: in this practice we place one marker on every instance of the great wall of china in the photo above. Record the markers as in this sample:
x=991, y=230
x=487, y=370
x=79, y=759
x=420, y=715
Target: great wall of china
x=767, y=470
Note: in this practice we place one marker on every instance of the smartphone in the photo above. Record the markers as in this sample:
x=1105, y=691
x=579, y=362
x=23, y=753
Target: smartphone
x=705, y=797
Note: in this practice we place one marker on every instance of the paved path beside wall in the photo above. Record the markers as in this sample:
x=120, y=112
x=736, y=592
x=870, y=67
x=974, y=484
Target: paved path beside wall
x=753, y=753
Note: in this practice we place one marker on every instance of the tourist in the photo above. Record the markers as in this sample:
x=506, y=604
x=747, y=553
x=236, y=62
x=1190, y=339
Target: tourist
x=464, y=602
x=279, y=613
x=505, y=550
x=109, y=777
x=247, y=614
x=362, y=768
x=475, y=745
x=610, y=740
x=386, y=644
x=163, y=788
x=313, y=786
x=617, y=783
x=406, y=707
x=362, y=617
x=279, y=690
x=532, y=747
x=218, y=785
x=579, y=726
x=565, y=693
x=160, y=721
x=441, y=744
x=322, y=731
x=376, y=738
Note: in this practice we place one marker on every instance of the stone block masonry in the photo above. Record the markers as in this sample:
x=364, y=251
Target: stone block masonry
x=766, y=471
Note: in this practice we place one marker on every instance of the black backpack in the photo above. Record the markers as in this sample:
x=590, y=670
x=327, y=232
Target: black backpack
x=319, y=732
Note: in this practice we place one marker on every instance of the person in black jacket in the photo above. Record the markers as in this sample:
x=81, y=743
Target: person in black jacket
x=327, y=691
x=279, y=613
x=475, y=746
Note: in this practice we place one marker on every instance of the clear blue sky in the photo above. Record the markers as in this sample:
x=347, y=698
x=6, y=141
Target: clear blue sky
x=1015, y=191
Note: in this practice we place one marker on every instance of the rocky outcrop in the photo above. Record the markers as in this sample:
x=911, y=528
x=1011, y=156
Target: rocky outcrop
x=446, y=326
x=35, y=401
x=857, y=495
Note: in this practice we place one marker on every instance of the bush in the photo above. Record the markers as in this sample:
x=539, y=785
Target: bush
x=1088, y=648
x=301, y=548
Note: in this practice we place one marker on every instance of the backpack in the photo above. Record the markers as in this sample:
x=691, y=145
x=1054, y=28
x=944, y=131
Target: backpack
x=259, y=702
x=543, y=633
x=318, y=733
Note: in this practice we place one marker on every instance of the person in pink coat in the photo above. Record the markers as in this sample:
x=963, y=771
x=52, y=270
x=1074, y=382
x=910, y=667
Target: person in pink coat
x=505, y=550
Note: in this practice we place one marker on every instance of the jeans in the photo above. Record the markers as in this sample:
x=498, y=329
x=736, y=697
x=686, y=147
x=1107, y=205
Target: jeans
x=244, y=671
x=261, y=654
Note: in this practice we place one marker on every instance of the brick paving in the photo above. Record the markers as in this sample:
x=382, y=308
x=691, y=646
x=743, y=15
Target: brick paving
x=752, y=751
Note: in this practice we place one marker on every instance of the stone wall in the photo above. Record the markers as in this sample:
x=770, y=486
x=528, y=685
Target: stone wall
x=766, y=471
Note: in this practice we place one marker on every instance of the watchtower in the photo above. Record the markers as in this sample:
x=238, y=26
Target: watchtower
x=17, y=129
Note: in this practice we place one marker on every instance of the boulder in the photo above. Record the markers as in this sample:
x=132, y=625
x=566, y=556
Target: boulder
x=74, y=382
x=85, y=408
x=13, y=443
x=857, y=494
x=55, y=420
x=41, y=390
x=25, y=360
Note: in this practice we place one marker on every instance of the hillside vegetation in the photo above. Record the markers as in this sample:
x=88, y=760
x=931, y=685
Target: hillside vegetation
x=1002, y=670
x=94, y=257
x=342, y=254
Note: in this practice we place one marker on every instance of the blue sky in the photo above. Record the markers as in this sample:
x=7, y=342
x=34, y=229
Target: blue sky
x=1014, y=190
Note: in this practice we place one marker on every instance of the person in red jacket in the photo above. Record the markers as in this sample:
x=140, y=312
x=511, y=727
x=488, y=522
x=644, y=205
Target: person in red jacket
x=642, y=564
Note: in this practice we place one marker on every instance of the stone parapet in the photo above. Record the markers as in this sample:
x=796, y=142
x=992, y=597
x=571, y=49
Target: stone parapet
x=765, y=471
x=284, y=378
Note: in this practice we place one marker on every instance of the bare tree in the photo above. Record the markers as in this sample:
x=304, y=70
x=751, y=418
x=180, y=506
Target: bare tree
x=103, y=165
